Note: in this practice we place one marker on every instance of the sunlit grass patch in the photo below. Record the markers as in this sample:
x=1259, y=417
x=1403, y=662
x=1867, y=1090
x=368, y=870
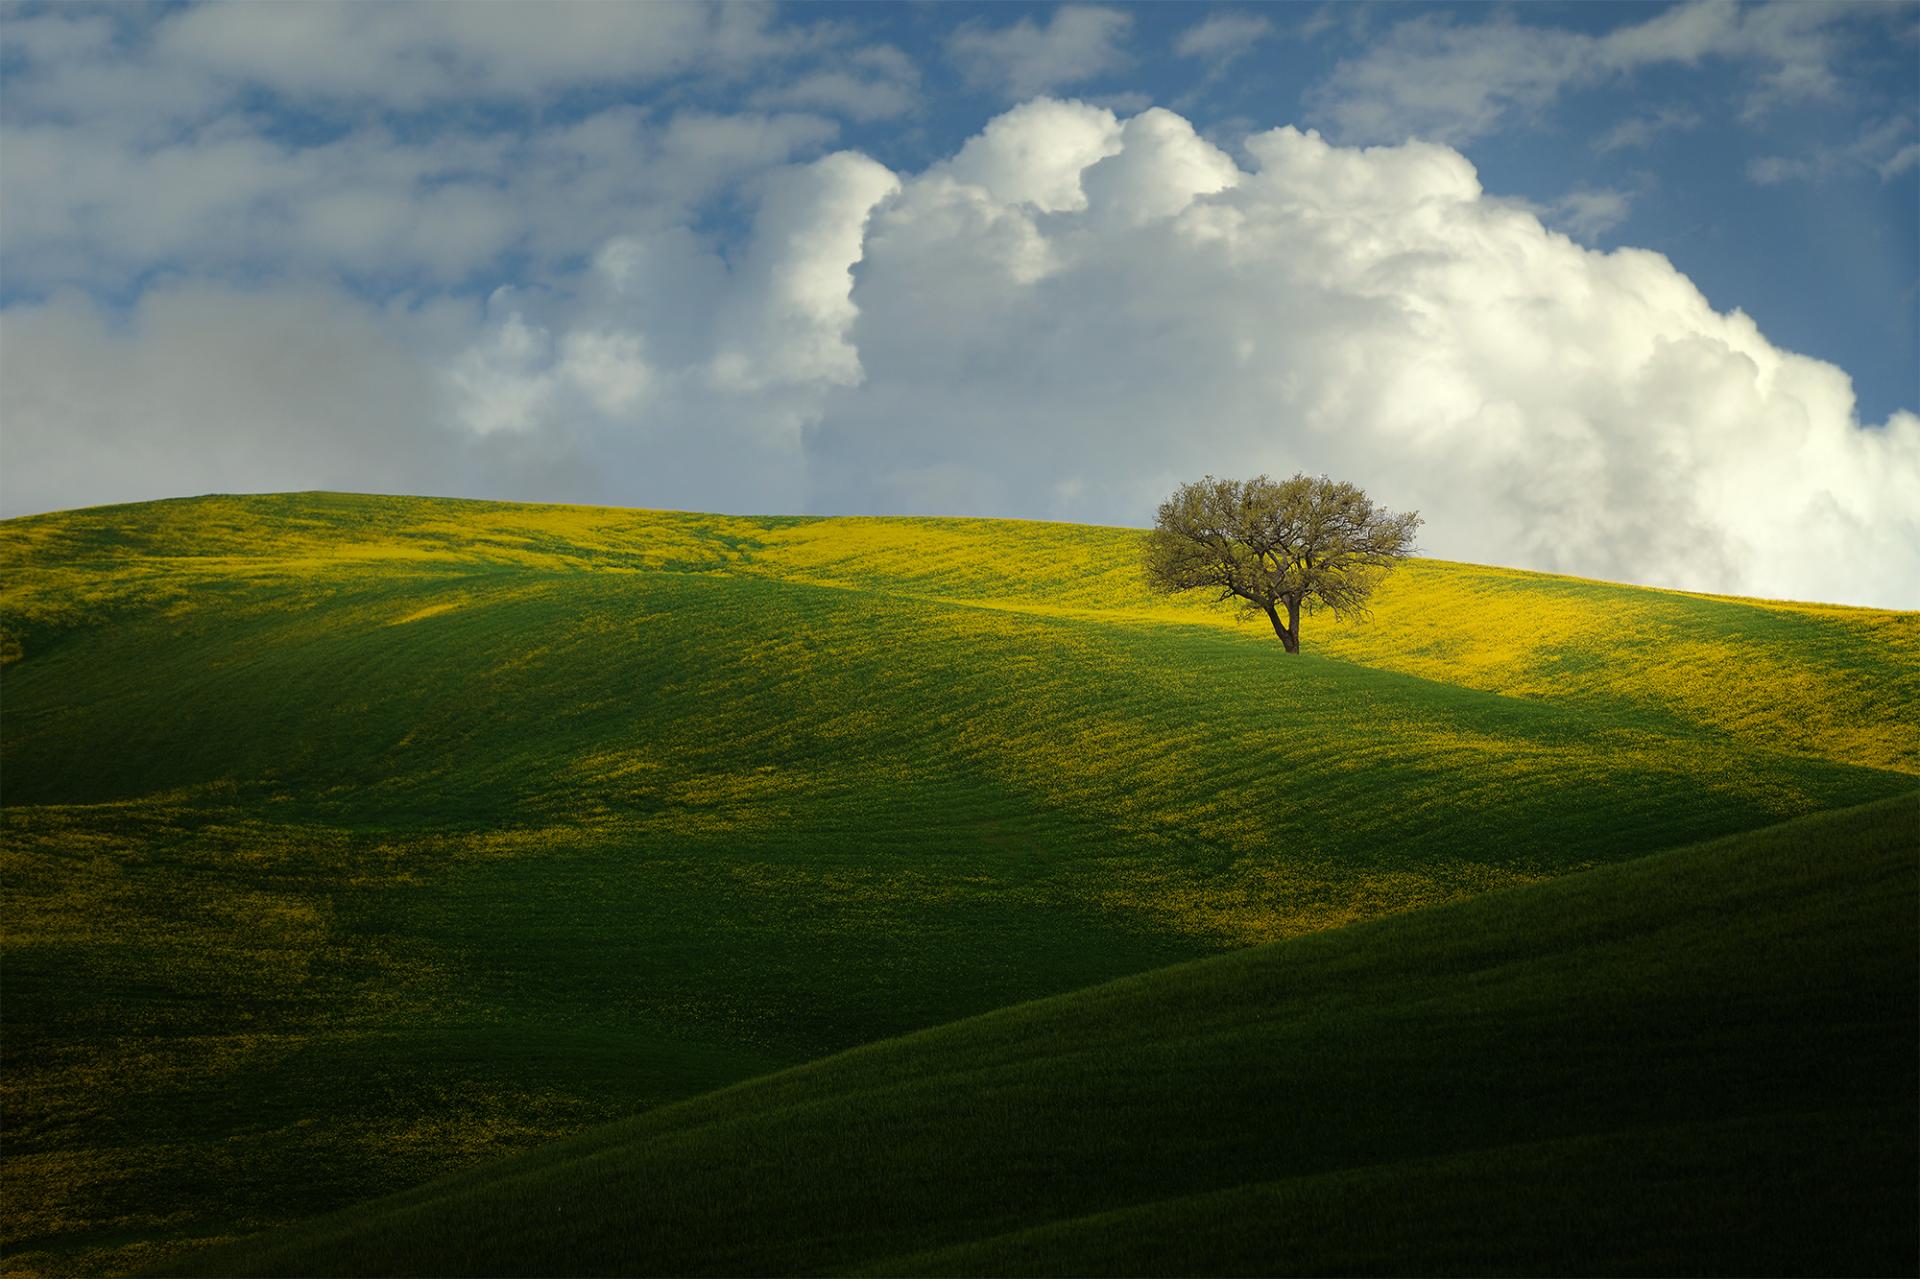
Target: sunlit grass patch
x=431, y=610
x=1263, y=900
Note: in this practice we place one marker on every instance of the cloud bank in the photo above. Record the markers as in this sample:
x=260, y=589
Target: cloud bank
x=1065, y=318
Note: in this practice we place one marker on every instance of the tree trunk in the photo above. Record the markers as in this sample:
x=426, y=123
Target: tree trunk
x=1289, y=636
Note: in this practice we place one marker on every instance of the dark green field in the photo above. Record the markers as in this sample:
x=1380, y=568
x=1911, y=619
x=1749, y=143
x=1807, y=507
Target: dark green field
x=1701, y=1060
x=351, y=842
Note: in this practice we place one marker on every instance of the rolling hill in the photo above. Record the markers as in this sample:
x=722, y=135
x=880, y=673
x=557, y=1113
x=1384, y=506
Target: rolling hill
x=353, y=840
x=1700, y=1062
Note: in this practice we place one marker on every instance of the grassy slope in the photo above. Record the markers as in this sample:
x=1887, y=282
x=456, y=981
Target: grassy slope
x=1702, y=1061
x=350, y=840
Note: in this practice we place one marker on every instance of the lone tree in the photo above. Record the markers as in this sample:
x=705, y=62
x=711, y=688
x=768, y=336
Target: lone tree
x=1297, y=544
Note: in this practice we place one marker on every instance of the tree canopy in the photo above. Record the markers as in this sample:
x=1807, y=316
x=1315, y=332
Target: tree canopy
x=1277, y=546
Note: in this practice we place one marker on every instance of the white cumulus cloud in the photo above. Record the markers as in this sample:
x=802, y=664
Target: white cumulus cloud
x=1368, y=313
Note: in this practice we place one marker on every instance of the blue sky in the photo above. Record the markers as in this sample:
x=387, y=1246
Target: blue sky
x=953, y=258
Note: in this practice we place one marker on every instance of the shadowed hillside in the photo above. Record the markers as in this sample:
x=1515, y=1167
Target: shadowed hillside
x=1702, y=1062
x=352, y=840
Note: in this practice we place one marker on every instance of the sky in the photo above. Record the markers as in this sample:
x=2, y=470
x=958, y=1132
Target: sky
x=1624, y=291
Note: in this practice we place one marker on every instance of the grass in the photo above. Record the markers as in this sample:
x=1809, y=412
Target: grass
x=350, y=841
x=1700, y=1062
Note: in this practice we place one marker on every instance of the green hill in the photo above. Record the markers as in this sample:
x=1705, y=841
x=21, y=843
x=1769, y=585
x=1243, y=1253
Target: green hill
x=1701, y=1062
x=349, y=840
